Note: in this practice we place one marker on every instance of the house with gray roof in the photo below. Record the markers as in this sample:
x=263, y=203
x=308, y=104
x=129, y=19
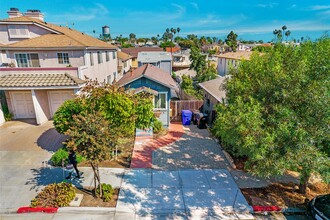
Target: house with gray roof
x=151, y=79
x=162, y=60
x=214, y=93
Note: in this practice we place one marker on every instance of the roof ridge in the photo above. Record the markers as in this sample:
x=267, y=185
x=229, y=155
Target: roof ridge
x=145, y=69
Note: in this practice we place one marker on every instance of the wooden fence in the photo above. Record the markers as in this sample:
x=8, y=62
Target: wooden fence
x=178, y=105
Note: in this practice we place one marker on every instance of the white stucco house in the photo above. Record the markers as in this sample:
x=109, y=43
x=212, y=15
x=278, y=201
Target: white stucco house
x=229, y=60
x=42, y=64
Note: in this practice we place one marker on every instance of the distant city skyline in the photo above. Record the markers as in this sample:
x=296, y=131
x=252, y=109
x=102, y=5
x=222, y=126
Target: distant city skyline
x=251, y=20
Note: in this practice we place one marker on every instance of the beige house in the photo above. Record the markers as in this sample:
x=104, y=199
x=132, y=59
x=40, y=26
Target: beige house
x=230, y=60
x=42, y=64
x=124, y=63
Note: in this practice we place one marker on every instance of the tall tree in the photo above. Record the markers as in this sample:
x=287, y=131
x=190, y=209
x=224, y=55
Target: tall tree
x=198, y=61
x=132, y=37
x=278, y=111
x=231, y=40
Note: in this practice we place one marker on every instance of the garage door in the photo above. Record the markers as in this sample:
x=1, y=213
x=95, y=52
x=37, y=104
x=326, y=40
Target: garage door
x=56, y=99
x=23, y=105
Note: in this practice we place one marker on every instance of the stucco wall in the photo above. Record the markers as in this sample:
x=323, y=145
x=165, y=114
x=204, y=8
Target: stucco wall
x=42, y=98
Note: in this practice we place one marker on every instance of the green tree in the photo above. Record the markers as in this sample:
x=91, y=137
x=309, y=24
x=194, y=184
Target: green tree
x=278, y=111
x=198, y=61
x=167, y=44
x=132, y=37
x=209, y=74
x=90, y=136
x=231, y=40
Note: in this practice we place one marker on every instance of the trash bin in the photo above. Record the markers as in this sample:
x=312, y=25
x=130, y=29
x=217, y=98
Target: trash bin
x=186, y=117
x=202, y=123
x=195, y=116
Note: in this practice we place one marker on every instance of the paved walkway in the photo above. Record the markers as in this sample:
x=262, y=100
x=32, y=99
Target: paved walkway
x=142, y=153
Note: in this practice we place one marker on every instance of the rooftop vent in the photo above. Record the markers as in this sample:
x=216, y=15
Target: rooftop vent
x=33, y=10
x=13, y=9
x=14, y=13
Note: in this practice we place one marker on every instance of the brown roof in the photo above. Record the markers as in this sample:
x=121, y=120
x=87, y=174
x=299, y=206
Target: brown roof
x=215, y=87
x=133, y=51
x=123, y=56
x=238, y=55
x=77, y=38
x=151, y=72
x=38, y=80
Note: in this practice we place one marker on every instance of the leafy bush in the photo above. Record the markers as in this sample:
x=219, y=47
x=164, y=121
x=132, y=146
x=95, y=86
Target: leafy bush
x=157, y=126
x=63, y=116
x=62, y=154
x=55, y=195
x=107, y=192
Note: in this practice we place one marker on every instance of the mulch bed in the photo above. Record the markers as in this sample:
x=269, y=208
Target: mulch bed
x=284, y=194
x=90, y=201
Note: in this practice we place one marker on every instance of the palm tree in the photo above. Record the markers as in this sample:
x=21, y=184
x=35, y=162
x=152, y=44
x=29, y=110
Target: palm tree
x=178, y=30
x=287, y=34
x=283, y=30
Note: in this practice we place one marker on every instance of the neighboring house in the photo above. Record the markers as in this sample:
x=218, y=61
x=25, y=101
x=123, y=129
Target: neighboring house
x=42, y=64
x=213, y=46
x=245, y=47
x=162, y=60
x=124, y=63
x=214, y=93
x=155, y=81
x=230, y=60
x=133, y=52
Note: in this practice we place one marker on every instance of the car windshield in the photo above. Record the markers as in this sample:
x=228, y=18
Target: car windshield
x=323, y=204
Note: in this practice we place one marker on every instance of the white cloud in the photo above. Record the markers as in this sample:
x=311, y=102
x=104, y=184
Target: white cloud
x=268, y=5
x=180, y=10
x=195, y=5
x=83, y=13
x=319, y=7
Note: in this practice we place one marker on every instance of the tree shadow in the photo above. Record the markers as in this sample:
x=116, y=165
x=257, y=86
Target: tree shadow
x=47, y=175
x=51, y=140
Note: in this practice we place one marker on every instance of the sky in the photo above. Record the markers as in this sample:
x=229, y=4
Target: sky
x=251, y=20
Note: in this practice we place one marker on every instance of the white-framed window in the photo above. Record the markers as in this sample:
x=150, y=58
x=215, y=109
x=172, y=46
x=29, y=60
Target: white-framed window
x=91, y=58
x=109, y=79
x=27, y=60
x=114, y=55
x=114, y=75
x=63, y=58
x=99, y=57
x=160, y=100
x=18, y=31
x=107, y=56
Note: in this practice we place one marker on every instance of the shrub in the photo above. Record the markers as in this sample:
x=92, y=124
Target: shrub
x=157, y=126
x=107, y=192
x=62, y=154
x=63, y=117
x=55, y=195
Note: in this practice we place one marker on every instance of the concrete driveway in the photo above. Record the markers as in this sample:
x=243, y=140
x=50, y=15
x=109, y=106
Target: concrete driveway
x=24, y=149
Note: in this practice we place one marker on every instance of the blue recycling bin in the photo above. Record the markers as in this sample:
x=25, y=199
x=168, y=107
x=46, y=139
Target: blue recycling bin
x=186, y=117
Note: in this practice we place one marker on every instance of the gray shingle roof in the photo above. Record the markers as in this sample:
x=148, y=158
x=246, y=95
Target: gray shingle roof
x=38, y=80
x=215, y=87
x=147, y=57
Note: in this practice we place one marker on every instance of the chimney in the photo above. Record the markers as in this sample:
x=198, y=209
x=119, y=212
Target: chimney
x=14, y=13
x=34, y=13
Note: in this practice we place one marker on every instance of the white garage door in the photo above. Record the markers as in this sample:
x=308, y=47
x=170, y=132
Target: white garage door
x=56, y=99
x=23, y=105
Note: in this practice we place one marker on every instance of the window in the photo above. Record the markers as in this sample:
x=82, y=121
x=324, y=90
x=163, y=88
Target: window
x=91, y=58
x=18, y=31
x=114, y=55
x=99, y=57
x=63, y=58
x=109, y=79
x=107, y=56
x=114, y=75
x=27, y=60
x=160, y=101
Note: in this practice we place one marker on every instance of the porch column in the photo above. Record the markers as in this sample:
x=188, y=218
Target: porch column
x=2, y=116
x=40, y=115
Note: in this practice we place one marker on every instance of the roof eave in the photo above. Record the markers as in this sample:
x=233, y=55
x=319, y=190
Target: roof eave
x=39, y=87
x=208, y=91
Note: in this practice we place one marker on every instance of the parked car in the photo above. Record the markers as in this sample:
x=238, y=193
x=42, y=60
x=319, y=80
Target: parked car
x=319, y=207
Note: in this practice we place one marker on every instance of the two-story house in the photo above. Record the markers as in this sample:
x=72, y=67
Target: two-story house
x=42, y=64
x=230, y=60
x=124, y=63
x=134, y=51
x=162, y=60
